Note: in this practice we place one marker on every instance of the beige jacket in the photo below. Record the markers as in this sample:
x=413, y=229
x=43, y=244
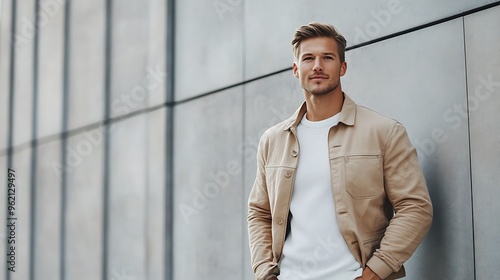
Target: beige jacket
x=382, y=204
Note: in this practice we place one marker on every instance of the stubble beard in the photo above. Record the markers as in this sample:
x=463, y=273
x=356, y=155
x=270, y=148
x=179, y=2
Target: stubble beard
x=322, y=91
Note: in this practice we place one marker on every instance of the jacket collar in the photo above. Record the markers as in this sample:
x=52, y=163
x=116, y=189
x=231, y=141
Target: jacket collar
x=347, y=113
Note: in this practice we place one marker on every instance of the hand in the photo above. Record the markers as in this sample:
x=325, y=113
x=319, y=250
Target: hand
x=368, y=274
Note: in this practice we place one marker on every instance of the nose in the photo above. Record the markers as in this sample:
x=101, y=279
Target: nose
x=318, y=67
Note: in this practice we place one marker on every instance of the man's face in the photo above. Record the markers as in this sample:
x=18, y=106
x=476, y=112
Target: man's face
x=318, y=66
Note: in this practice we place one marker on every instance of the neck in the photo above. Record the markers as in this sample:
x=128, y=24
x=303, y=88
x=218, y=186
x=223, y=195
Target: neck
x=321, y=107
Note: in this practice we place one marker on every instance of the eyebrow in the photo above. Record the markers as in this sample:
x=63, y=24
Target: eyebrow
x=326, y=53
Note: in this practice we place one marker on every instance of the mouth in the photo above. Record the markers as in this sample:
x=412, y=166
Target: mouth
x=318, y=77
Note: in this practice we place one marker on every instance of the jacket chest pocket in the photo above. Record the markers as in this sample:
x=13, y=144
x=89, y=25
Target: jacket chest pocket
x=364, y=176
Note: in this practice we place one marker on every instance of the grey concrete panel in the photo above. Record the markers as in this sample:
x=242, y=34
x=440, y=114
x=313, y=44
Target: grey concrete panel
x=23, y=72
x=130, y=73
x=47, y=212
x=50, y=68
x=483, y=79
x=84, y=209
x=86, y=63
x=267, y=102
x=420, y=85
x=157, y=51
x=5, y=45
x=127, y=197
x=208, y=204
x=21, y=163
x=156, y=194
x=208, y=46
x=268, y=37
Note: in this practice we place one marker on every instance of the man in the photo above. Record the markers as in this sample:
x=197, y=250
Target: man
x=339, y=193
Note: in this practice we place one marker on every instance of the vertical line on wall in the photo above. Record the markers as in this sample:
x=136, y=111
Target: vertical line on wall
x=34, y=148
x=147, y=147
x=107, y=124
x=243, y=135
x=64, y=141
x=147, y=182
x=11, y=104
x=469, y=142
x=147, y=191
x=169, y=141
x=243, y=40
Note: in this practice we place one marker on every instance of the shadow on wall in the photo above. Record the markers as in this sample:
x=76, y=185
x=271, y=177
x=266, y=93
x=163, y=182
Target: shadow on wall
x=437, y=246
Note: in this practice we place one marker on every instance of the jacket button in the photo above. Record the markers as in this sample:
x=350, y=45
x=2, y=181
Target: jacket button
x=294, y=153
x=280, y=221
x=288, y=174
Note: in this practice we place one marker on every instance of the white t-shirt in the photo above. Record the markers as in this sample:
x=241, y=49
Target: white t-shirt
x=315, y=248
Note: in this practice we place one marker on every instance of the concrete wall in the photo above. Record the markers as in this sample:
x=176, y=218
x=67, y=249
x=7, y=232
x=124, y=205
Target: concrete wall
x=134, y=149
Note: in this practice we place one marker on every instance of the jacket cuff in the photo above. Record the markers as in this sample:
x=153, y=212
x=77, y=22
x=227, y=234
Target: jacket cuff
x=264, y=271
x=379, y=267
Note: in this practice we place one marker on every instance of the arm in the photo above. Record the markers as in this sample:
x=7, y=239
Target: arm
x=259, y=223
x=407, y=191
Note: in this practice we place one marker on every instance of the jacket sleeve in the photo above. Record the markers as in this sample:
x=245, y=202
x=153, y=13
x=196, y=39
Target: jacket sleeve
x=407, y=191
x=260, y=222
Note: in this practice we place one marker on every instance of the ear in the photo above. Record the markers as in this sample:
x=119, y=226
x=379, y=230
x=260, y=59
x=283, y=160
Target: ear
x=295, y=69
x=343, y=68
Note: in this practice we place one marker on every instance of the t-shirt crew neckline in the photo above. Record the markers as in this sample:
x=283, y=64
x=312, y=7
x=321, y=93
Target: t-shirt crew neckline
x=331, y=121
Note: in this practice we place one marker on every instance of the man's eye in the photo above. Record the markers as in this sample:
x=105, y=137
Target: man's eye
x=308, y=58
x=328, y=57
